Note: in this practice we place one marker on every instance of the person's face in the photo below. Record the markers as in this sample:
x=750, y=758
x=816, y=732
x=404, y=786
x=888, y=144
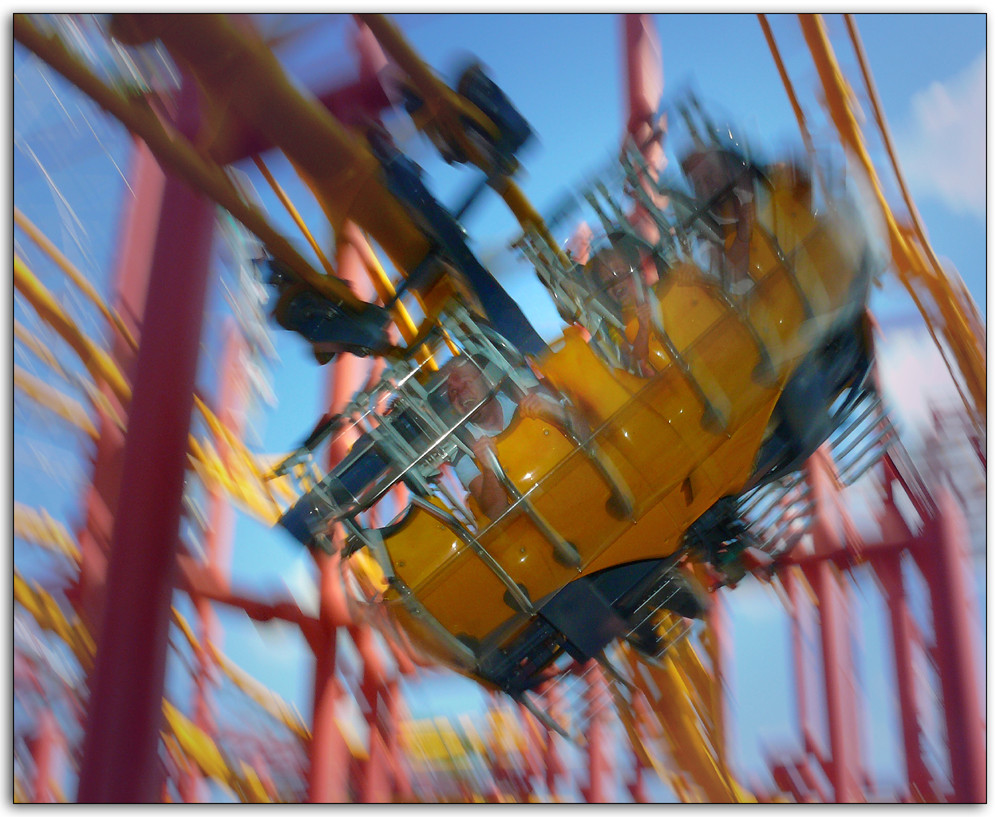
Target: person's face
x=708, y=175
x=614, y=275
x=466, y=387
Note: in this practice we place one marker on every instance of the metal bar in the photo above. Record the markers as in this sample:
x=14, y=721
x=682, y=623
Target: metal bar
x=843, y=433
x=764, y=373
x=566, y=554
x=459, y=651
x=456, y=527
x=889, y=431
x=624, y=501
x=712, y=418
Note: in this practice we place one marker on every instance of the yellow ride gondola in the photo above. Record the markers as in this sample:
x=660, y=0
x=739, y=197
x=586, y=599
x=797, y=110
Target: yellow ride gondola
x=745, y=386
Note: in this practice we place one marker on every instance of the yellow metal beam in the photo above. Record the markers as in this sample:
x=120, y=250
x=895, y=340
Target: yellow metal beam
x=176, y=154
x=98, y=363
x=77, y=277
x=236, y=70
x=908, y=261
x=55, y=401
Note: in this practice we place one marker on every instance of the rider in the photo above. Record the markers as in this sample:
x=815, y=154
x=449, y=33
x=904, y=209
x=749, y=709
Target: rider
x=467, y=389
x=724, y=182
x=617, y=271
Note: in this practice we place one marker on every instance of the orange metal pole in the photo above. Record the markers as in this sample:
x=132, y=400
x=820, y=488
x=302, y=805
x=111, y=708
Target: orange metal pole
x=235, y=68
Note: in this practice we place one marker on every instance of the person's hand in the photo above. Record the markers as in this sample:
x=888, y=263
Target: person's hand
x=481, y=448
x=533, y=405
x=645, y=368
x=737, y=262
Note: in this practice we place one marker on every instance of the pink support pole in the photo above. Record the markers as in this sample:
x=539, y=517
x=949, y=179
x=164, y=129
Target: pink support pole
x=644, y=86
x=218, y=547
x=643, y=72
x=402, y=787
x=790, y=583
x=890, y=574
x=135, y=254
x=120, y=762
x=328, y=752
x=598, y=765
x=718, y=621
x=837, y=672
x=946, y=566
x=554, y=766
x=43, y=753
x=838, y=666
x=637, y=788
x=375, y=782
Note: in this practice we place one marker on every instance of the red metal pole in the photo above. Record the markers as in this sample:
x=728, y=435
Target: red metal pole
x=218, y=545
x=718, y=622
x=637, y=788
x=946, y=567
x=890, y=575
x=401, y=785
x=120, y=762
x=328, y=752
x=375, y=783
x=837, y=672
x=838, y=665
x=135, y=254
x=598, y=766
x=644, y=88
x=43, y=751
x=554, y=766
x=790, y=582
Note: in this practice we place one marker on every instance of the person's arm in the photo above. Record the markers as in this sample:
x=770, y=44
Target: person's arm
x=738, y=252
x=485, y=488
x=540, y=407
x=640, y=346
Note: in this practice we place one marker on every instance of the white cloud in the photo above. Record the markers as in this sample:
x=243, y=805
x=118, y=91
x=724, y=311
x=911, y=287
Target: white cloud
x=942, y=147
x=914, y=377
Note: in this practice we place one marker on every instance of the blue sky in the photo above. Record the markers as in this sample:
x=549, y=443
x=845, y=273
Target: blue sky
x=565, y=73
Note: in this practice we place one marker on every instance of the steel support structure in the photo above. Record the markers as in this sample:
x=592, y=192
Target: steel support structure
x=940, y=551
x=946, y=569
x=120, y=755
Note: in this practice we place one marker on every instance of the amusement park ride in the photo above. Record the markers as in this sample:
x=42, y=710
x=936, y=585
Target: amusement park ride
x=714, y=383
